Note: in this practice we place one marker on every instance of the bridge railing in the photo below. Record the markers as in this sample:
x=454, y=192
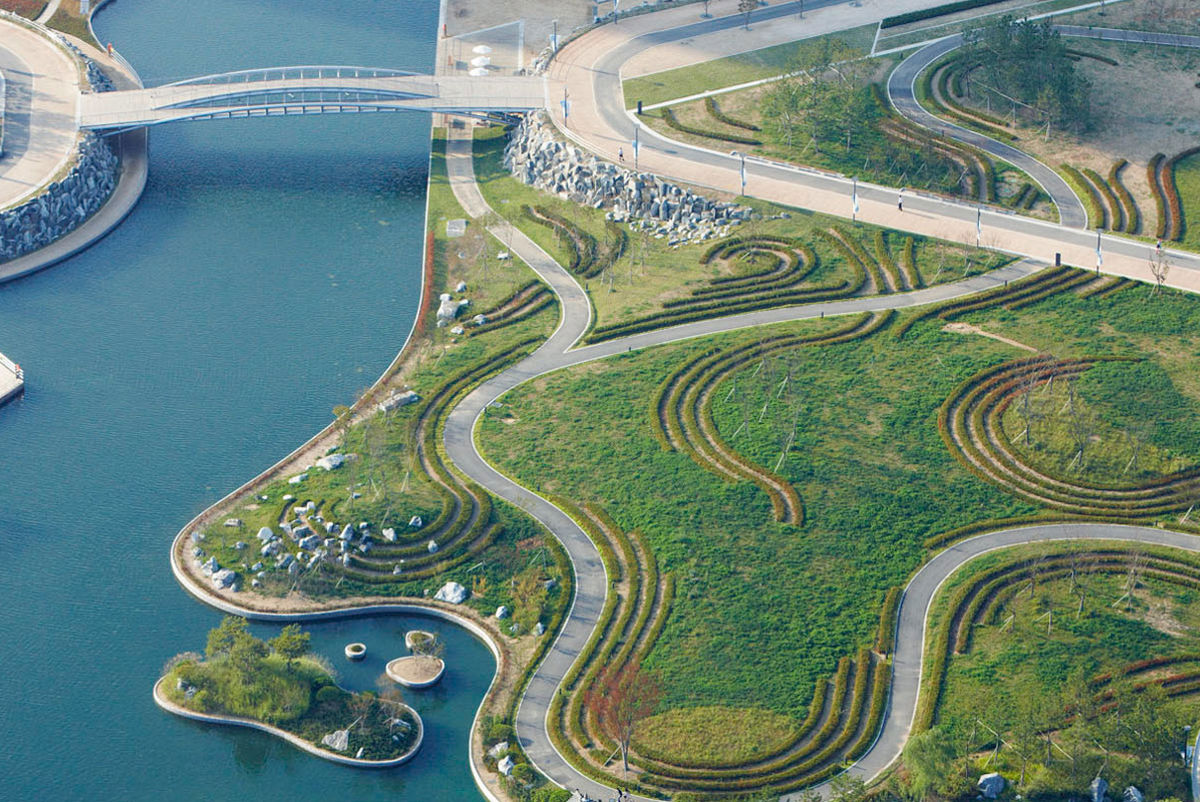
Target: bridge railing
x=294, y=73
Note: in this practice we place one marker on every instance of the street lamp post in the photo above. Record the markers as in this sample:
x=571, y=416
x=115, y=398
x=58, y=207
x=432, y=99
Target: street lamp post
x=742, y=157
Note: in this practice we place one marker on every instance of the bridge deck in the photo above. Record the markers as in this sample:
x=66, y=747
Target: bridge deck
x=303, y=95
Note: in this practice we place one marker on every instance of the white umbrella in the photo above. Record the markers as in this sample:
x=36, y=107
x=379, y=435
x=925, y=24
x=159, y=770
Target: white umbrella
x=480, y=61
x=478, y=72
x=482, y=50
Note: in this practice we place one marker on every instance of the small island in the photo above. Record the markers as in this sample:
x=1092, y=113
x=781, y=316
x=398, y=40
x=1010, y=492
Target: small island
x=278, y=687
x=425, y=666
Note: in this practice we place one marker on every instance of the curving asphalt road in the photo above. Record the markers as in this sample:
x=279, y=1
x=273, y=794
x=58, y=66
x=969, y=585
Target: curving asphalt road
x=589, y=71
x=901, y=90
x=560, y=351
x=591, y=582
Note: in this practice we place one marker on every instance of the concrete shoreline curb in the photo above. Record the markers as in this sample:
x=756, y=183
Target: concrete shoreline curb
x=160, y=699
x=133, y=150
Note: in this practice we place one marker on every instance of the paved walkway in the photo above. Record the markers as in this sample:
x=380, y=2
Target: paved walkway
x=901, y=90
x=589, y=70
x=39, y=120
x=559, y=352
x=132, y=147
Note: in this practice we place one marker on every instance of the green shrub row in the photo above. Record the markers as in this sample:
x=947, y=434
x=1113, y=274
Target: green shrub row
x=715, y=112
x=936, y=659
x=936, y=11
x=456, y=494
x=884, y=257
x=721, y=247
x=1129, y=210
x=712, y=780
x=600, y=632
x=949, y=82
x=840, y=237
x=986, y=299
x=1141, y=666
x=669, y=116
x=1171, y=191
x=886, y=639
x=541, y=300
x=1154, y=177
x=966, y=412
x=1116, y=212
x=1018, y=201
x=793, y=272
x=908, y=260
x=1032, y=298
x=720, y=309
x=1112, y=62
x=1097, y=216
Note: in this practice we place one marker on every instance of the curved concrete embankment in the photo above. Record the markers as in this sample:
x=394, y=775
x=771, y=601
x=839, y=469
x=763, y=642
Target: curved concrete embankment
x=132, y=149
x=160, y=699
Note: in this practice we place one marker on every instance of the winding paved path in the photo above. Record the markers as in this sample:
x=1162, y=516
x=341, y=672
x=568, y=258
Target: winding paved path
x=786, y=185
x=591, y=581
x=589, y=70
x=901, y=90
x=560, y=351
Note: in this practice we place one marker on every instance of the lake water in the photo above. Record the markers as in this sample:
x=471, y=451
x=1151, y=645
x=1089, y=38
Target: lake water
x=269, y=272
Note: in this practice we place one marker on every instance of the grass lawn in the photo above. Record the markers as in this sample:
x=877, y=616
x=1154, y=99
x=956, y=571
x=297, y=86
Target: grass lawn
x=68, y=20
x=763, y=609
x=1187, y=179
x=732, y=70
x=1044, y=649
x=652, y=271
x=299, y=696
x=29, y=9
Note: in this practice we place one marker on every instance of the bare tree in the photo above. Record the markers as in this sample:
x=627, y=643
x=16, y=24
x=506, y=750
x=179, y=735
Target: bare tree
x=620, y=699
x=1079, y=425
x=745, y=7
x=1159, y=267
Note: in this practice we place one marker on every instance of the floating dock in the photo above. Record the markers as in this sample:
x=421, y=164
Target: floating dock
x=12, y=379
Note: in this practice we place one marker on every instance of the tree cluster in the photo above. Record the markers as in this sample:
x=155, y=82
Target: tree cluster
x=1053, y=747
x=1026, y=64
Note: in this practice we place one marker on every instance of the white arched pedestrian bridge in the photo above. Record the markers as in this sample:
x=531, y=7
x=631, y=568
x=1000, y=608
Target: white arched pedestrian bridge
x=281, y=91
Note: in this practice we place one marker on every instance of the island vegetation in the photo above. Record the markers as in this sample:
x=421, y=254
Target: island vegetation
x=760, y=498
x=276, y=682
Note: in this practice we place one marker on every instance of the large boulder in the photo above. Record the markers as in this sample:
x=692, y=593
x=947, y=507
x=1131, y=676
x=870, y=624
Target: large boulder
x=331, y=462
x=452, y=592
x=224, y=578
x=990, y=785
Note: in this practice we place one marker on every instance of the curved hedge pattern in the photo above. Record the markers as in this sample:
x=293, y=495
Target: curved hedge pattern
x=781, y=284
x=1022, y=292
x=466, y=524
x=978, y=601
x=970, y=424
x=1129, y=209
x=669, y=117
x=682, y=414
x=715, y=112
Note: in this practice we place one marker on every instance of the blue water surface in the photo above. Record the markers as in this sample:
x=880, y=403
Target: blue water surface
x=270, y=271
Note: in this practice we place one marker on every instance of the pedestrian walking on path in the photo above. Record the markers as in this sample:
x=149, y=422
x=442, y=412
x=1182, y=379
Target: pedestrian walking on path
x=900, y=201
x=621, y=154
